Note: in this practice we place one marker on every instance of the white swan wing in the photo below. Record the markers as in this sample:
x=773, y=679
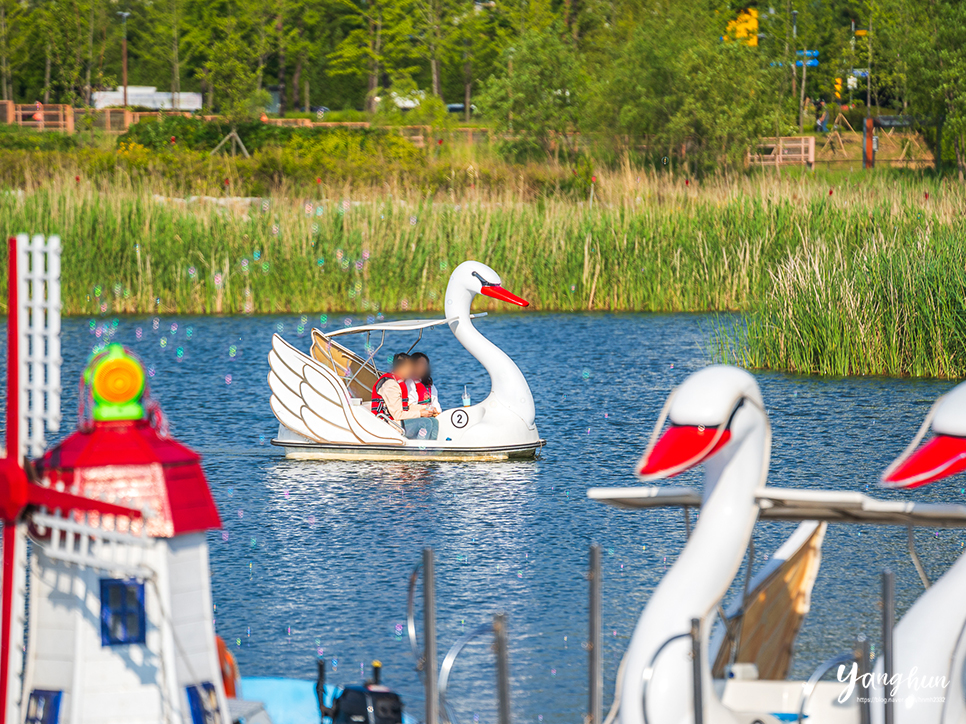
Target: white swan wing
x=310, y=400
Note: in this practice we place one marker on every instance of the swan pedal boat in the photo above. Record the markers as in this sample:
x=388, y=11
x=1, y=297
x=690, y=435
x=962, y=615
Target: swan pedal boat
x=717, y=419
x=322, y=400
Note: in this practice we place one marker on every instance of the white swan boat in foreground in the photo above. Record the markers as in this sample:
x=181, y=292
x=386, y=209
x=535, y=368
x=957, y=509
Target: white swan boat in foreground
x=717, y=418
x=322, y=400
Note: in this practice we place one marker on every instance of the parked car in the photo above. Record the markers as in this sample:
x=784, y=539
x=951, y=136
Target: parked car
x=460, y=108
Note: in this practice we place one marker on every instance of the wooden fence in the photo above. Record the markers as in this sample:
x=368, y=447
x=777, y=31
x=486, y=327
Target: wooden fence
x=118, y=120
x=39, y=116
x=784, y=151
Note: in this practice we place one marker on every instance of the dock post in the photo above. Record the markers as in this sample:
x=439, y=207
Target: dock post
x=696, y=670
x=502, y=667
x=862, y=656
x=595, y=706
x=430, y=668
x=888, y=625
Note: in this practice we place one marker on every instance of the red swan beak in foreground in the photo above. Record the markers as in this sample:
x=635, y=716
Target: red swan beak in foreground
x=942, y=456
x=680, y=448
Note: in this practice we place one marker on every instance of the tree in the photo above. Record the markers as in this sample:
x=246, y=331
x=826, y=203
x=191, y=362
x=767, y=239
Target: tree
x=11, y=13
x=431, y=28
x=702, y=100
x=538, y=91
x=377, y=44
x=935, y=46
x=473, y=48
x=234, y=77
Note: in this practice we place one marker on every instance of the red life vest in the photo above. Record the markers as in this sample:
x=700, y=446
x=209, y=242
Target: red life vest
x=378, y=404
x=424, y=395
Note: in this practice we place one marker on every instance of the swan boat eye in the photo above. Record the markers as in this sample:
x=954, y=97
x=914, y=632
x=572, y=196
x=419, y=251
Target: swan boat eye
x=483, y=281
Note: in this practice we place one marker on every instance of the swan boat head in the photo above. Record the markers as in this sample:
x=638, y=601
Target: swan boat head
x=711, y=415
x=471, y=278
x=943, y=455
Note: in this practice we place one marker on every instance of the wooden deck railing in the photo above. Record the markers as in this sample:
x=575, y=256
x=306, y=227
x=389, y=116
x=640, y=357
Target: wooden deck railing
x=784, y=151
x=39, y=116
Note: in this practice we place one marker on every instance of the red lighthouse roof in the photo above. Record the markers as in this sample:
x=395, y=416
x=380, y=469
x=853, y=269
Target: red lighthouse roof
x=127, y=462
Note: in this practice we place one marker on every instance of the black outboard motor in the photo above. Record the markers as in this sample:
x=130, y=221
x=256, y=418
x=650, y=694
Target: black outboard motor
x=368, y=703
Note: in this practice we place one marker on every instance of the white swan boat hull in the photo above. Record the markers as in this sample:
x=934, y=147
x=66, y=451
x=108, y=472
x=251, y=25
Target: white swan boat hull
x=300, y=448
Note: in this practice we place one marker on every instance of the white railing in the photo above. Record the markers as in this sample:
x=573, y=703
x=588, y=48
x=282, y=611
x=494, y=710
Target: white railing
x=85, y=540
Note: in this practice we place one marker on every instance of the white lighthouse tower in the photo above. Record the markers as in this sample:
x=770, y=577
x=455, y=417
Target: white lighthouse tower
x=118, y=625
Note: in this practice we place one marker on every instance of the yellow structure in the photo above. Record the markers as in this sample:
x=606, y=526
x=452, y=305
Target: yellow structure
x=744, y=28
x=838, y=89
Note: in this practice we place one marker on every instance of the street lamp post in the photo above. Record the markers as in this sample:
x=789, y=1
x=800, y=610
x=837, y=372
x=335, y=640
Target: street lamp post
x=801, y=101
x=124, y=17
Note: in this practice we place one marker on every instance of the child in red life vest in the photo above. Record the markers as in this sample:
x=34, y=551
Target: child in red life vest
x=391, y=401
x=421, y=387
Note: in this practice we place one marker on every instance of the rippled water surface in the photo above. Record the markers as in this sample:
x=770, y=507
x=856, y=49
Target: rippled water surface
x=315, y=556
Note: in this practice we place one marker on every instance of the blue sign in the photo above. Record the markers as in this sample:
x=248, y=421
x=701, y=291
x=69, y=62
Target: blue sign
x=811, y=63
x=807, y=53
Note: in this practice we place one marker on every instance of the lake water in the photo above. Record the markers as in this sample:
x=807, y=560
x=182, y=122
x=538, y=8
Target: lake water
x=315, y=556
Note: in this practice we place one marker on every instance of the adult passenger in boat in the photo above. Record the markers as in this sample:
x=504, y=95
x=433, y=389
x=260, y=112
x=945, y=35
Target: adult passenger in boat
x=421, y=388
x=391, y=401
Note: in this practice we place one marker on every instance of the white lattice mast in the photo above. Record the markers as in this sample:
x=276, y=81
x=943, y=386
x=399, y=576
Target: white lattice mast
x=39, y=264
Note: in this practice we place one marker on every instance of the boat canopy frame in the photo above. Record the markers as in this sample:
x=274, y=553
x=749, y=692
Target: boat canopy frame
x=796, y=505
x=401, y=325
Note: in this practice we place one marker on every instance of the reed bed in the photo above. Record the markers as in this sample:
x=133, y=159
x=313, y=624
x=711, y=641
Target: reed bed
x=887, y=308
x=840, y=275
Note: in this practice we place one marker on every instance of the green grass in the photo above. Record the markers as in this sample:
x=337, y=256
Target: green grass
x=883, y=308
x=868, y=280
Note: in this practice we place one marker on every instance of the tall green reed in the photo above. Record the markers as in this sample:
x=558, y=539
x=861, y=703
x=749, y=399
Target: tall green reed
x=836, y=274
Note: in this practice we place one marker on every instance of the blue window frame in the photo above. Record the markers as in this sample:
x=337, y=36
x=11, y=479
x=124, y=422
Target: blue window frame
x=43, y=707
x=122, y=612
x=203, y=700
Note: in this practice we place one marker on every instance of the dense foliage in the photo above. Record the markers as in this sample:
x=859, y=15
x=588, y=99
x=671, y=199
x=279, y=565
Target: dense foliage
x=680, y=78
